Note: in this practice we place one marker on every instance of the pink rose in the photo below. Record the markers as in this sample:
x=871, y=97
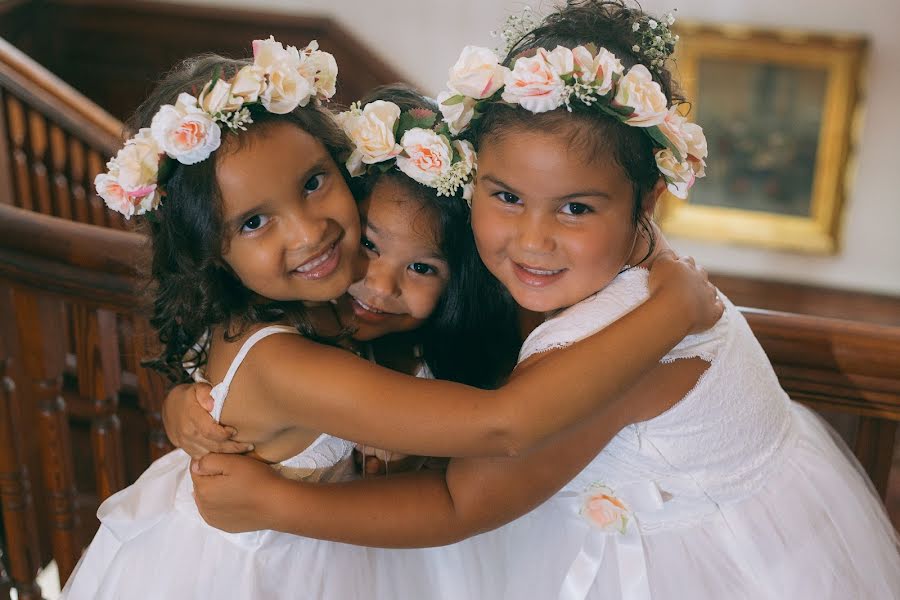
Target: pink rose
x=534, y=84
x=477, y=73
x=597, y=69
x=185, y=132
x=426, y=155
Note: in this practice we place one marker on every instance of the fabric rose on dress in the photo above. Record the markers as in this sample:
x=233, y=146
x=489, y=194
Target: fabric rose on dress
x=477, y=73
x=426, y=155
x=604, y=510
x=458, y=114
x=679, y=174
x=598, y=70
x=184, y=131
x=534, y=84
x=637, y=90
x=372, y=132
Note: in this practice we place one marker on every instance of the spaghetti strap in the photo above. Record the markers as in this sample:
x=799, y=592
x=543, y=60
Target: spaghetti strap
x=220, y=390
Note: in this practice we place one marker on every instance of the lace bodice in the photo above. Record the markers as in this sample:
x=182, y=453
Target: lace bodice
x=720, y=441
x=327, y=459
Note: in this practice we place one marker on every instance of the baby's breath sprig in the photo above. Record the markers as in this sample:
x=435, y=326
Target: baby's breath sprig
x=455, y=177
x=237, y=120
x=514, y=29
x=655, y=41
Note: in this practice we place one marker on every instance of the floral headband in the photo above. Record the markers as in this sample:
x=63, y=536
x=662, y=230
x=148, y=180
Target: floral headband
x=595, y=78
x=427, y=151
x=280, y=79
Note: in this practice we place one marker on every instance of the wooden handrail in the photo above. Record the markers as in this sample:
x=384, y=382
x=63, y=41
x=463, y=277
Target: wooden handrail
x=53, y=96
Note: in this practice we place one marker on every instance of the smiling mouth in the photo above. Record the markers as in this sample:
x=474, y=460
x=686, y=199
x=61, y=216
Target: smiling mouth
x=321, y=265
x=535, y=277
x=368, y=312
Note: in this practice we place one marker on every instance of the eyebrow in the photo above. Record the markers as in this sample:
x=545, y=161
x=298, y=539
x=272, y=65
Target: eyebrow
x=320, y=165
x=435, y=254
x=567, y=197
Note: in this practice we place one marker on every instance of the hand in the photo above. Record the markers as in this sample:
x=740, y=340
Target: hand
x=230, y=491
x=185, y=414
x=370, y=464
x=688, y=288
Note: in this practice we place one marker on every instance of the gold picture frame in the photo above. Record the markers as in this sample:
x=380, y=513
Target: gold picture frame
x=781, y=111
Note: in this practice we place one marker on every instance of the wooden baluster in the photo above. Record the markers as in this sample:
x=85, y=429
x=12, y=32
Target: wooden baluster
x=98, y=211
x=7, y=194
x=17, y=135
x=37, y=135
x=61, y=190
x=97, y=352
x=875, y=449
x=19, y=517
x=151, y=388
x=40, y=324
x=80, y=202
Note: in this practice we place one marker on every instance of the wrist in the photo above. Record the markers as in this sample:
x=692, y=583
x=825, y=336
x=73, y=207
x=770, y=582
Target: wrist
x=271, y=502
x=676, y=310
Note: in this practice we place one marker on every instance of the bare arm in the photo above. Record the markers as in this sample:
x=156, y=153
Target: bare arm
x=427, y=508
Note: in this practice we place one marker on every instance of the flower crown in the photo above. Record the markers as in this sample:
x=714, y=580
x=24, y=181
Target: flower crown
x=594, y=78
x=280, y=79
x=427, y=152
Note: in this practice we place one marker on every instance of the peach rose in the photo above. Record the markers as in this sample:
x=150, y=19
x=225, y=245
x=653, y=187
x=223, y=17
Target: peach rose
x=679, y=174
x=637, y=90
x=604, y=510
x=426, y=155
x=477, y=73
x=597, y=69
x=184, y=131
x=534, y=84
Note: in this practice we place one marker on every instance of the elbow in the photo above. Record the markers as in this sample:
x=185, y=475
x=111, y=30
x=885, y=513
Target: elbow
x=510, y=437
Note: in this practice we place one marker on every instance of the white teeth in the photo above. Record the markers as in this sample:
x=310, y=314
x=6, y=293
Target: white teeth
x=541, y=272
x=367, y=307
x=307, y=267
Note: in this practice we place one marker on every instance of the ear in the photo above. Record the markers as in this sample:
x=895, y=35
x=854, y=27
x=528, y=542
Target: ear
x=651, y=199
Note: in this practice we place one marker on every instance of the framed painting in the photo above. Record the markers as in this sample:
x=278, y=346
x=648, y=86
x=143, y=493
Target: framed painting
x=781, y=113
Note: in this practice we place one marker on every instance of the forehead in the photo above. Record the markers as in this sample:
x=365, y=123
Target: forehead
x=397, y=212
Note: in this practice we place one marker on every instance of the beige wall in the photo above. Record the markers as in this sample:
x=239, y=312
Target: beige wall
x=422, y=38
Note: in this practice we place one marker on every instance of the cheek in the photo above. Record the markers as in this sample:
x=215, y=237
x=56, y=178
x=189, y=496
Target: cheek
x=488, y=228
x=422, y=299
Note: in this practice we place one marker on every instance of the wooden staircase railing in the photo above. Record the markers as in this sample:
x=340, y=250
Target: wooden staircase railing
x=53, y=141
x=64, y=379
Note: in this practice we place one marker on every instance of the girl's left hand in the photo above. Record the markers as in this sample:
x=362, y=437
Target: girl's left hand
x=231, y=491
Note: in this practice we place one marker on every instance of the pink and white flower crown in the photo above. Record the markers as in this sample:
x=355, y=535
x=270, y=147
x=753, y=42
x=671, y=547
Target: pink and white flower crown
x=426, y=152
x=592, y=77
x=280, y=79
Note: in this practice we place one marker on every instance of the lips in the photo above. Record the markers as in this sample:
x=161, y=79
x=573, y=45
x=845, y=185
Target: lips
x=534, y=276
x=367, y=312
x=321, y=265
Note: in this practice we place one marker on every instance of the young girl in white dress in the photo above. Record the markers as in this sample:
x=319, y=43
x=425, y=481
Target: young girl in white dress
x=254, y=233
x=724, y=489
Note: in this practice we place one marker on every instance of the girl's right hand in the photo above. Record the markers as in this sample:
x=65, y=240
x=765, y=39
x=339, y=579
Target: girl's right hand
x=688, y=289
x=186, y=418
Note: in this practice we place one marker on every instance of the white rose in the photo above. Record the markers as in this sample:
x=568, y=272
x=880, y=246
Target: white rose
x=136, y=165
x=287, y=89
x=467, y=155
x=638, y=91
x=269, y=54
x=249, y=83
x=679, y=175
x=427, y=155
x=534, y=85
x=599, y=69
x=372, y=134
x=323, y=70
x=459, y=115
x=184, y=131
x=216, y=99
x=673, y=128
x=561, y=59
x=477, y=73
x=696, y=147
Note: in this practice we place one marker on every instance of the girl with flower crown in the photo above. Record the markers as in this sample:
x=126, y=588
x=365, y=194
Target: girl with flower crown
x=254, y=233
x=723, y=488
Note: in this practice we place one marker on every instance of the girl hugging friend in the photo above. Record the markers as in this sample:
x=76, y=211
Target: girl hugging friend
x=255, y=233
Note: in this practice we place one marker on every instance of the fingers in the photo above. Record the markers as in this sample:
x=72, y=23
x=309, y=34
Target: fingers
x=210, y=464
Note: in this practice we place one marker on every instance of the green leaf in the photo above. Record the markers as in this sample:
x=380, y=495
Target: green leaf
x=660, y=138
x=457, y=99
x=409, y=121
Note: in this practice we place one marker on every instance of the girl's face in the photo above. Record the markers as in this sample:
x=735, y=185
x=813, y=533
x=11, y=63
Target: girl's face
x=552, y=225
x=291, y=225
x=406, y=272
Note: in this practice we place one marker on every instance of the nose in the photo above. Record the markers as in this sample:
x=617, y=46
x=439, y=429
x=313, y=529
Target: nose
x=381, y=279
x=535, y=234
x=304, y=231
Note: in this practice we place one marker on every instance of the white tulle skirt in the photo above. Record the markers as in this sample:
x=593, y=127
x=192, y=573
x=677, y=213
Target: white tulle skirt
x=814, y=531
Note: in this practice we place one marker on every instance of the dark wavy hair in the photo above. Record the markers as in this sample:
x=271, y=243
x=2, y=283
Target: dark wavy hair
x=192, y=288
x=607, y=24
x=472, y=336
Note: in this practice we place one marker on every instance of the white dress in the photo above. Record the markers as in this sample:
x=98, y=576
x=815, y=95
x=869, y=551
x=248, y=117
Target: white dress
x=153, y=544
x=736, y=492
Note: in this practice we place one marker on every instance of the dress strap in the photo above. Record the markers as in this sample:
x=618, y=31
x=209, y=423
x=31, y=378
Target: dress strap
x=220, y=390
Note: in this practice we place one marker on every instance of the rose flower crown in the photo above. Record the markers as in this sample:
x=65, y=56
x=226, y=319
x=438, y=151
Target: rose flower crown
x=593, y=78
x=280, y=79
